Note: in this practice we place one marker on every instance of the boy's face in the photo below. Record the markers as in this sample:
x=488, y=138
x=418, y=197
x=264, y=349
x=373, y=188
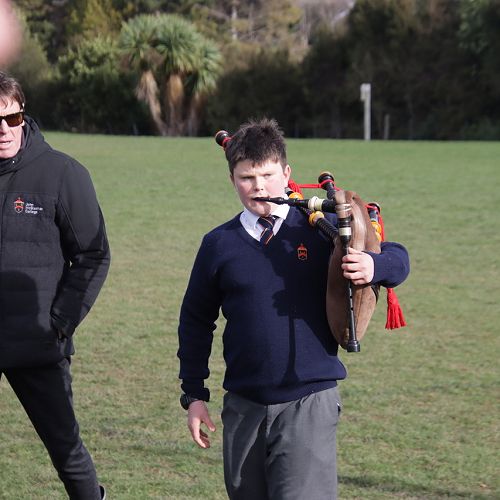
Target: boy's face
x=268, y=179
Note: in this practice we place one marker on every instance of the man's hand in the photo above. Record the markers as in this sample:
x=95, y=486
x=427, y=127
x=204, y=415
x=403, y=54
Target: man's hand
x=358, y=267
x=197, y=415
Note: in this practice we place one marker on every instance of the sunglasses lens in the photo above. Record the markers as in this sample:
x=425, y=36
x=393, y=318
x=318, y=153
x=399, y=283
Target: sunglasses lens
x=13, y=120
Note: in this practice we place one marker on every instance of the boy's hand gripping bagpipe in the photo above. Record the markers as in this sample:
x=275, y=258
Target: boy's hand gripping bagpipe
x=349, y=307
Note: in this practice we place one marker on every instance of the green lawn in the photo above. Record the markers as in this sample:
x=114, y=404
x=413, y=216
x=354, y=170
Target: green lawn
x=420, y=417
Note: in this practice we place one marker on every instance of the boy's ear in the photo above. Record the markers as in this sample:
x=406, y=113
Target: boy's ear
x=231, y=178
x=287, y=172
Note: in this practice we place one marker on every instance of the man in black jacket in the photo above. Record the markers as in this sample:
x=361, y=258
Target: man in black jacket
x=54, y=258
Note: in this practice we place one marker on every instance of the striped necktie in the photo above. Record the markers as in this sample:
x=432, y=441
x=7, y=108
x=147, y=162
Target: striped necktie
x=267, y=233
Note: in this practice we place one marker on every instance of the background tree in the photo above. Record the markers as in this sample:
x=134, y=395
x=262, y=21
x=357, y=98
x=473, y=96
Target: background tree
x=331, y=106
x=93, y=92
x=132, y=8
x=177, y=67
x=138, y=43
x=409, y=53
x=181, y=49
x=92, y=18
x=479, y=38
x=201, y=83
x=433, y=64
x=46, y=22
x=271, y=85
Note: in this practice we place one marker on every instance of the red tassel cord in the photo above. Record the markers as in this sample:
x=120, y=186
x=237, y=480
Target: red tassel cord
x=395, y=318
x=294, y=186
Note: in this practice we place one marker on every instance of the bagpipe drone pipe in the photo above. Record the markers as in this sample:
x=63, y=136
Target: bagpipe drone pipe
x=349, y=307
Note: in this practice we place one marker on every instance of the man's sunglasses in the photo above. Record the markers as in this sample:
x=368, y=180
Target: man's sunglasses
x=13, y=120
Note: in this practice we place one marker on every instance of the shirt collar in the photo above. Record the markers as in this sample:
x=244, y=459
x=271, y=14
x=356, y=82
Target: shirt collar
x=281, y=211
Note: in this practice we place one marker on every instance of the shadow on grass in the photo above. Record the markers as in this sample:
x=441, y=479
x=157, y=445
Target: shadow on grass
x=400, y=488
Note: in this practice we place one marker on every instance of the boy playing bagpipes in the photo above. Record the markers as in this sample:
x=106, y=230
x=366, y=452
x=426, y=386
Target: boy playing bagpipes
x=266, y=270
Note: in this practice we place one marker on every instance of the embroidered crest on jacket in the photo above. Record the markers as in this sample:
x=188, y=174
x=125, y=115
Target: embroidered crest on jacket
x=19, y=205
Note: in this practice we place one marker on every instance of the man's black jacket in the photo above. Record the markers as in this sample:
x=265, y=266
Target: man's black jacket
x=54, y=254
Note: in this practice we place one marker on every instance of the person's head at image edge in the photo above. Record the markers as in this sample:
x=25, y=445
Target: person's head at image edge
x=12, y=102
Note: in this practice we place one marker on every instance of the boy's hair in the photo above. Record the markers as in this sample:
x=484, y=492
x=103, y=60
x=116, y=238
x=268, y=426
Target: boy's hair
x=10, y=89
x=258, y=141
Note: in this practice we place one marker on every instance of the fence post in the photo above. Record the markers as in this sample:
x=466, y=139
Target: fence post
x=366, y=97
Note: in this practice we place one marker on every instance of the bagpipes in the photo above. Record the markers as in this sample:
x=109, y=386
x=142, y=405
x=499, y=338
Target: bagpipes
x=349, y=307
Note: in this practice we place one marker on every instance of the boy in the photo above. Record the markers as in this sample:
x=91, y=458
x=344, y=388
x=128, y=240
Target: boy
x=282, y=405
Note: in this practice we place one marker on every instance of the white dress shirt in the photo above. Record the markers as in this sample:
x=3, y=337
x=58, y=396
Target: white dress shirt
x=254, y=229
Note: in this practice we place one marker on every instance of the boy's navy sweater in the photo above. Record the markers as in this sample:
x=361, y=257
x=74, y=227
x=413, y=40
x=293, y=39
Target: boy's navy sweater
x=277, y=342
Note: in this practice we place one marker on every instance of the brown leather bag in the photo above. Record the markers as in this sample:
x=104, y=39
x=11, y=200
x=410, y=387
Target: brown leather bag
x=364, y=237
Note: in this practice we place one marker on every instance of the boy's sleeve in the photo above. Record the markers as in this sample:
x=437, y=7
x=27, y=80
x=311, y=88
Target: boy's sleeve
x=392, y=265
x=199, y=311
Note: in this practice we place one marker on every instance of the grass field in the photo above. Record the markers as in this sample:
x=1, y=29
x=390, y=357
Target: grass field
x=421, y=404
